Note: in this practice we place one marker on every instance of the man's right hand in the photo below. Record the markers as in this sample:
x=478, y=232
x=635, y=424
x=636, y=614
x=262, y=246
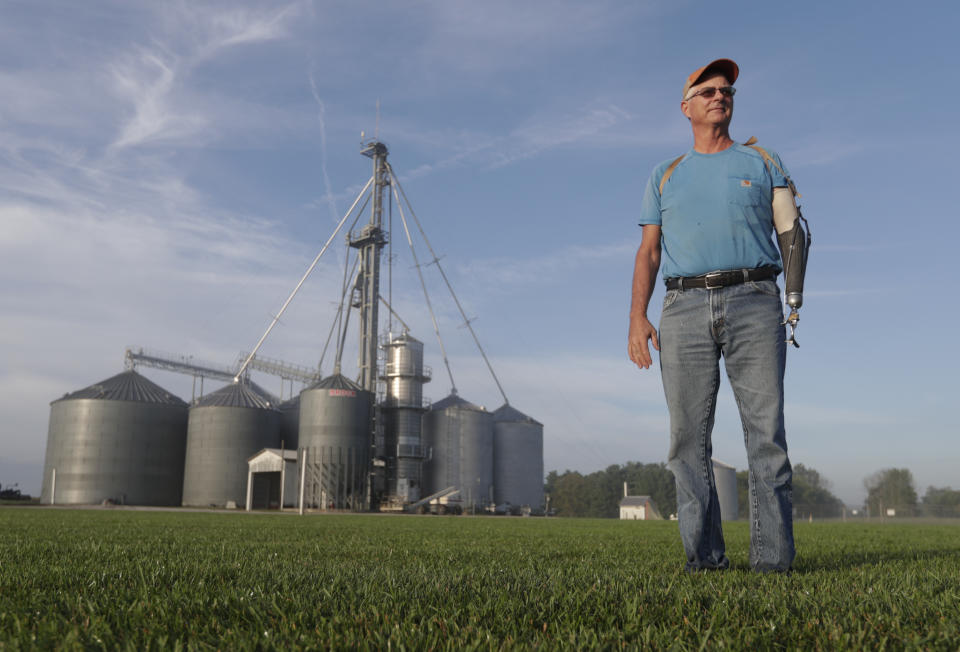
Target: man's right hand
x=644, y=272
x=641, y=332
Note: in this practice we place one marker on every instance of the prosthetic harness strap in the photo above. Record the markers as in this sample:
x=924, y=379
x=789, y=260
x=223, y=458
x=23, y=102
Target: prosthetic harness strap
x=768, y=160
x=751, y=143
x=669, y=171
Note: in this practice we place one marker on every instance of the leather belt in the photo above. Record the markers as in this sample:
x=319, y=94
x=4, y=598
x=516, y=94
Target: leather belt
x=722, y=279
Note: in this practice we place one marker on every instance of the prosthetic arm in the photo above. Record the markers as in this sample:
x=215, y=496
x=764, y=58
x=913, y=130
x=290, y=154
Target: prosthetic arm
x=794, y=246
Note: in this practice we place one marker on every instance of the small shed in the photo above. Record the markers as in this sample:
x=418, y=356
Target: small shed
x=638, y=508
x=272, y=479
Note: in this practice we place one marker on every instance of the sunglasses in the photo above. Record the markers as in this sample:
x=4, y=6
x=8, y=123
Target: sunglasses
x=710, y=91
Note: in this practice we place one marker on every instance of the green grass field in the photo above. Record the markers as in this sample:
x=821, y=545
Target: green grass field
x=163, y=580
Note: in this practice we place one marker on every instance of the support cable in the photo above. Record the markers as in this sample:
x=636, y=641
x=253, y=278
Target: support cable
x=286, y=303
x=436, y=260
x=341, y=344
x=423, y=284
x=393, y=313
x=347, y=275
x=390, y=265
x=338, y=320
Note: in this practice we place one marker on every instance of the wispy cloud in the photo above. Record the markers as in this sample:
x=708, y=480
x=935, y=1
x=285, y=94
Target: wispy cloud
x=322, y=120
x=146, y=82
x=819, y=153
x=601, y=124
x=590, y=125
x=593, y=125
x=513, y=272
x=235, y=26
x=491, y=38
x=543, y=134
x=151, y=79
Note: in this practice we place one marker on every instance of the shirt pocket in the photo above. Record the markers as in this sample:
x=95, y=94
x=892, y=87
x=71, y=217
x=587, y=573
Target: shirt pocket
x=744, y=191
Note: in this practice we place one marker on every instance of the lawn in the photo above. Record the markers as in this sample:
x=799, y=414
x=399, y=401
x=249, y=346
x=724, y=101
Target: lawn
x=161, y=580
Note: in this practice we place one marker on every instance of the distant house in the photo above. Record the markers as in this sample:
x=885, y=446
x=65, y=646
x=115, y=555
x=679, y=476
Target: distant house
x=638, y=508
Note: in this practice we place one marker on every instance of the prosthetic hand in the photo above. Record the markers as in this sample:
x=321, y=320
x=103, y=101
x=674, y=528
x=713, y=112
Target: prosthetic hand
x=794, y=246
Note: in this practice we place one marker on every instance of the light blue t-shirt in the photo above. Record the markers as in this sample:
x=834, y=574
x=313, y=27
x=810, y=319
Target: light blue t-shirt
x=716, y=212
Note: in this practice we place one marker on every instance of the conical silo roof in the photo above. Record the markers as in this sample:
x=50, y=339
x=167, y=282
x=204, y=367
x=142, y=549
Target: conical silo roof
x=402, y=339
x=336, y=381
x=126, y=386
x=507, y=412
x=244, y=394
x=455, y=401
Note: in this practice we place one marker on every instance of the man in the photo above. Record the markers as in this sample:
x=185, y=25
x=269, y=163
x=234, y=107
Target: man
x=710, y=216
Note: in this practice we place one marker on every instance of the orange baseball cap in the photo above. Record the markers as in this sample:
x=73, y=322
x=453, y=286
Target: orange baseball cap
x=724, y=66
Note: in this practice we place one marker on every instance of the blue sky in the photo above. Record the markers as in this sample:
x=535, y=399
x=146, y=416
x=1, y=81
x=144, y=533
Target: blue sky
x=168, y=171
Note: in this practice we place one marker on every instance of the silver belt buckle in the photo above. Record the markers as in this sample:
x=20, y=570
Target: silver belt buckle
x=707, y=277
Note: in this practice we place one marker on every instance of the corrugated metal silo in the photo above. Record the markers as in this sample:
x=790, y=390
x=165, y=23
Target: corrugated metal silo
x=725, y=477
x=517, y=459
x=225, y=428
x=459, y=436
x=290, y=423
x=336, y=429
x=121, y=439
x=403, y=409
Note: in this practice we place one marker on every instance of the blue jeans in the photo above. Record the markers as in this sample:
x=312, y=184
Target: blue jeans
x=742, y=323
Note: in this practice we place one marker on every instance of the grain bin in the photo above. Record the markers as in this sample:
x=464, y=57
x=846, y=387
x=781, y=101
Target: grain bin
x=119, y=440
x=290, y=423
x=402, y=410
x=225, y=428
x=517, y=459
x=725, y=477
x=336, y=433
x=459, y=438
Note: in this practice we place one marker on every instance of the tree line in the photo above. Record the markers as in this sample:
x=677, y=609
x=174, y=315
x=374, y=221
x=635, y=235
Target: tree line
x=890, y=492
x=811, y=494
x=12, y=493
x=598, y=494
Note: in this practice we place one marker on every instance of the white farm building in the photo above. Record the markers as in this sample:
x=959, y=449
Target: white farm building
x=638, y=508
